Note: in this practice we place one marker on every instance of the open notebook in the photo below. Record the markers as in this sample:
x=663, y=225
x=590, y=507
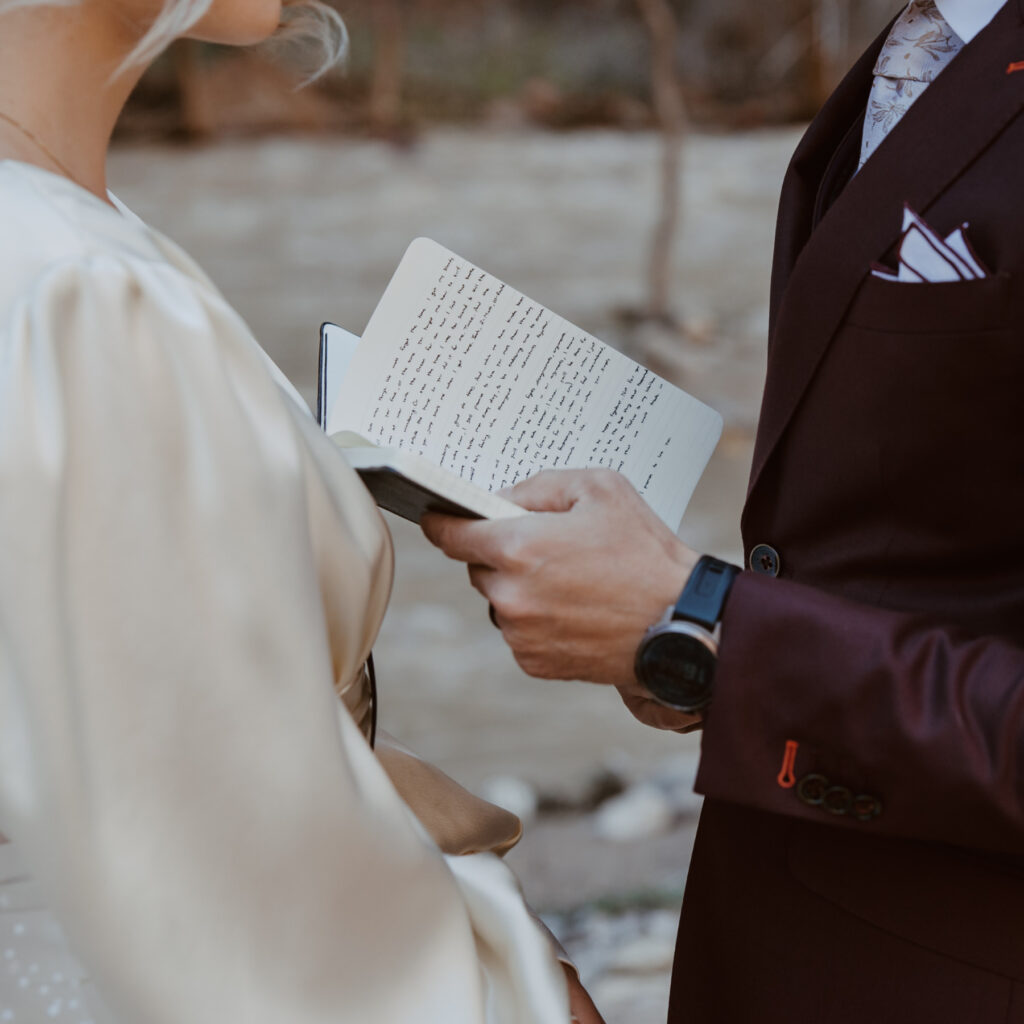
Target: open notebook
x=461, y=386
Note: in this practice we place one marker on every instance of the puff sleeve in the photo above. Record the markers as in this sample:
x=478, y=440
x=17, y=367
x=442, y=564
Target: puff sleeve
x=186, y=570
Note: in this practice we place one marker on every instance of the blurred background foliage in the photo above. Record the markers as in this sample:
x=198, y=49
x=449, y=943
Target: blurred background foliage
x=560, y=64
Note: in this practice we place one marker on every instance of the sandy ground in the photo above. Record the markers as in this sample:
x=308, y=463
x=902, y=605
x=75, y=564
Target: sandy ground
x=299, y=231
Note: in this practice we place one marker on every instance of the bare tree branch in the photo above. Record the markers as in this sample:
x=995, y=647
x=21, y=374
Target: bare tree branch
x=663, y=29
x=389, y=65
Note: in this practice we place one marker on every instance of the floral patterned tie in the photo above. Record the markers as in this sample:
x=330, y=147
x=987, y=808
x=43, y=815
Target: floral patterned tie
x=918, y=49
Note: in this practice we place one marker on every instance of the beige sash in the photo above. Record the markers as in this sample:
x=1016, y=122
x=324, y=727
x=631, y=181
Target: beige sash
x=459, y=822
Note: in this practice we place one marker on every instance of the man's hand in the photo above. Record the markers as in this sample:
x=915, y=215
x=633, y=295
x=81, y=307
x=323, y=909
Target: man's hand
x=581, y=1006
x=646, y=709
x=576, y=585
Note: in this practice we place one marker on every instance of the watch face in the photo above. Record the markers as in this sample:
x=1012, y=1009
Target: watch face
x=678, y=669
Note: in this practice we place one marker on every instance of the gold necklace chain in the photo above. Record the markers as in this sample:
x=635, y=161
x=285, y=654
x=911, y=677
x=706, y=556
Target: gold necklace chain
x=43, y=148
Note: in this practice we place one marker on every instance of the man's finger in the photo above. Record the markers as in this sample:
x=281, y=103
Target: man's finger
x=552, y=490
x=481, y=579
x=474, y=541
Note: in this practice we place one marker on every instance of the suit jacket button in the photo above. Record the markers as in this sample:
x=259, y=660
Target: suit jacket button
x=764, y=559
x=866, y=807
x=812, y=789
x=838, y=800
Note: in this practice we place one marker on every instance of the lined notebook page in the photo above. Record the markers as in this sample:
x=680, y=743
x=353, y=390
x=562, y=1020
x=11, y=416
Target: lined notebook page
x=460, y=368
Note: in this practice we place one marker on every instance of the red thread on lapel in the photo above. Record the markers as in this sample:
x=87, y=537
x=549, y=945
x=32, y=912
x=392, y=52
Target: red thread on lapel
x=786, y=778
x=1016, y=66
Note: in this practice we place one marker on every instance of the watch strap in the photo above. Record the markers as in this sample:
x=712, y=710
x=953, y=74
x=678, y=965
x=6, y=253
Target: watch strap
x=703, y=598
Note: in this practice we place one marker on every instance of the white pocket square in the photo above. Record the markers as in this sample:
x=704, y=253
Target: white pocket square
x=925, y=257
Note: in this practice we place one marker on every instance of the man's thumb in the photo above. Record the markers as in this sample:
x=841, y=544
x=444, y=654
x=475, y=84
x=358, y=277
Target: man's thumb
x=549, y=491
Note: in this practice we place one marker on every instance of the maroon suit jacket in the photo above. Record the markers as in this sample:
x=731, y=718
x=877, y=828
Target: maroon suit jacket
x=889, y=477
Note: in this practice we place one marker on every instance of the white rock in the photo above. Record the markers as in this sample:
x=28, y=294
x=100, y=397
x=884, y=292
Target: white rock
x=679, y=768
x=513, y=794
x=684, y=801
x=640, y=813
x=675, y=777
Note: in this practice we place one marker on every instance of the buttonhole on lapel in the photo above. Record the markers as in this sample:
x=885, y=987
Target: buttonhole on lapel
x=1017, y=65
x=786, y=778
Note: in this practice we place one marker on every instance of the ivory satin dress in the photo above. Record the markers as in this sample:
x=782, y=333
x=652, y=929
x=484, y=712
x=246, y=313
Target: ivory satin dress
x=189, y=576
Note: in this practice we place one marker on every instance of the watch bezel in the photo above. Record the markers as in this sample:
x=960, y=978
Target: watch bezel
x=676, y=627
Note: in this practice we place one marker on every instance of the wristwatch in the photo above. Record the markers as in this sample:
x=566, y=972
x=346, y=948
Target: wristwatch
x=677, y=657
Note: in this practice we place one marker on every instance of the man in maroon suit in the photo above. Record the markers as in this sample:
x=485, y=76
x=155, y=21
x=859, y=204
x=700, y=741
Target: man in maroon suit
x=860, y=856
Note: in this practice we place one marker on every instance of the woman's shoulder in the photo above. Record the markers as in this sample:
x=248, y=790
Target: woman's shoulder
x=80, y=274
x=67, y=256
x=51, y=224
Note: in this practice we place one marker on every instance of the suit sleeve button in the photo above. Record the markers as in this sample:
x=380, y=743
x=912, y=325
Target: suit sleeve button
x=764, y=559
x=812, y=789
x=838, y=800
x=866, y=807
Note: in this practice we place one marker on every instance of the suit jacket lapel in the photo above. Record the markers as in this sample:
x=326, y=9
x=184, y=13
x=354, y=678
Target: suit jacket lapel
x=809, y=164
x=938, y=138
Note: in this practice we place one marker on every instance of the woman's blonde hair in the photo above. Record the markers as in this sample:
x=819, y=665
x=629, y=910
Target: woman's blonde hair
x=304, y=21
